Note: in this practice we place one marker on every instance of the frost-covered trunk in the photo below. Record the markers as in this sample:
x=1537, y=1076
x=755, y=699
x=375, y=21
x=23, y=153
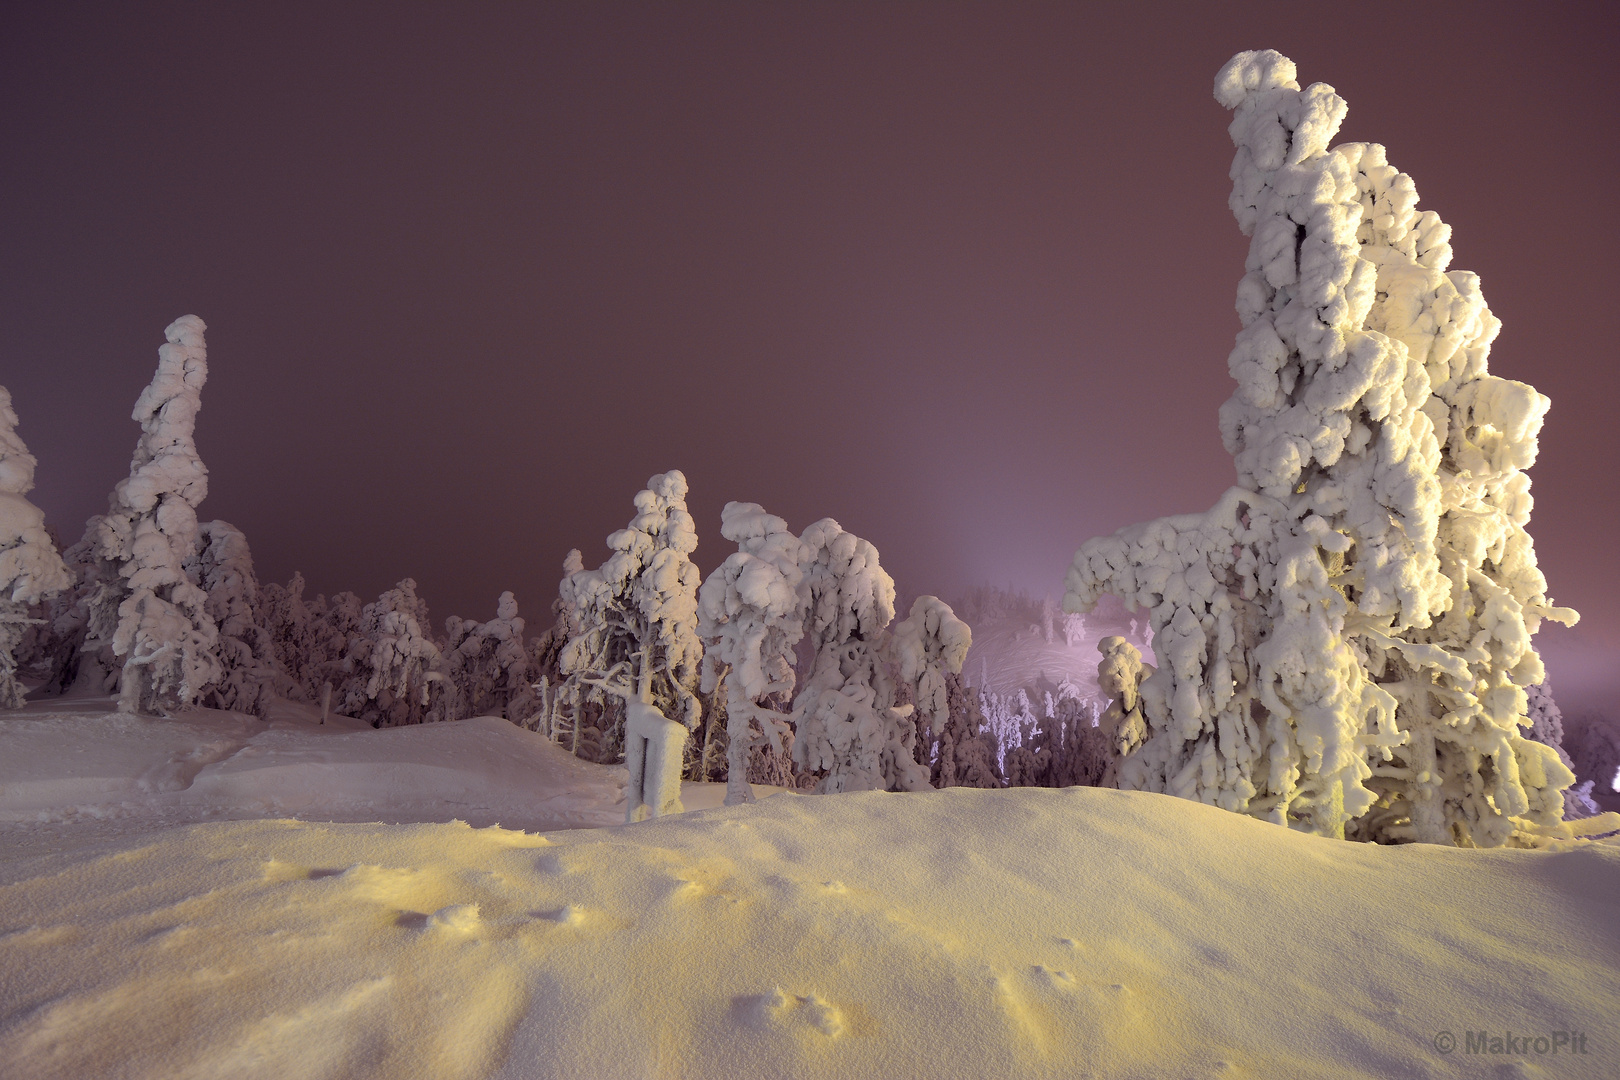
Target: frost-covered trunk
x=1344, y=639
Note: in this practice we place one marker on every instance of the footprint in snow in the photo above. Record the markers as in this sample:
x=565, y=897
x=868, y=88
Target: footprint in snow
x=781, y=1011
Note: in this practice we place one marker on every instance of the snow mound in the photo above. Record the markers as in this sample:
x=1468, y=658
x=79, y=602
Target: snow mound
x=1028, y=933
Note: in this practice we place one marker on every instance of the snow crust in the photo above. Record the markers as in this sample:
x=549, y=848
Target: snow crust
x=1016, y=933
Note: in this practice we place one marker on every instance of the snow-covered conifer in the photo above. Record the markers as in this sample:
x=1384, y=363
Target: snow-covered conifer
x=930, y=644
x=249, y=674
x=393, y=663
x=487, y=664
x=967, y=753
x=30, y=567
x=289, y=621
x=142, y=603
x=751, y=615
x=637, y=621
x=848, y=729
x=1344, y=639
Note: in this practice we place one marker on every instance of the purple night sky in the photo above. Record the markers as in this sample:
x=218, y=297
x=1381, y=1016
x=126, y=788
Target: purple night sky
x=960, y=276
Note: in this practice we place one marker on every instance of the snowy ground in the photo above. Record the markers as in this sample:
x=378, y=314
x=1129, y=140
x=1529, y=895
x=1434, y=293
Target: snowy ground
x=1030, y=932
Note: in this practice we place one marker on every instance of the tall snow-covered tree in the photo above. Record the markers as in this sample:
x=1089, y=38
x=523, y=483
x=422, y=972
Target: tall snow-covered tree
x=752, y=615
x=249, y=673
x=30, y=567
x=142, y=605
x=1345, y=637
x=636, y=635
x=849, y=732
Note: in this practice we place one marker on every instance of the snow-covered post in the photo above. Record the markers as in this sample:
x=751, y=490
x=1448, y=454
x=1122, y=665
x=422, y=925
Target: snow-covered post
x=653, y=749
x=638, y=611
x=848, y=726
x=143, y=604
x=1344, y=638
x=931, y=644
x=752, y=614
x=30, y=567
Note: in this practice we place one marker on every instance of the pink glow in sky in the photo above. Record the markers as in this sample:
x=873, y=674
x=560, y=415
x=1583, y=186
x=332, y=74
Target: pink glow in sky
x=959, y=276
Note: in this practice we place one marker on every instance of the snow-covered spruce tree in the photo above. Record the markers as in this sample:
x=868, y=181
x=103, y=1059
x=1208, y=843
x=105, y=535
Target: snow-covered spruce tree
x=487, y=664
x=751, y=616
x=289, y=621
x=849, y=732
x=1344, y=638
x=249, y=673
x=967, y=752
x=142, y=604
x=637, y=623
x=30, y=567
x=930, y=645
x=393, y=664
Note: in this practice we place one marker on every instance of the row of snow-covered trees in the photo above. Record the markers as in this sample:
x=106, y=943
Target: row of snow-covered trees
x=168, y=612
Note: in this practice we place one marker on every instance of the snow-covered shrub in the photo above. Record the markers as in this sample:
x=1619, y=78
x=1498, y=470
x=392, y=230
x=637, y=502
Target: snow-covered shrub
x=752, y=611
x=30, y=567
x=849, y=732
x=393, y=663
x=1344, y=638
x=145, y=617
x=637, y=623
x=249, y=673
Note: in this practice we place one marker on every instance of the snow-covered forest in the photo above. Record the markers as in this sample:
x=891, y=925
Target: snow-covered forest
x=760, y=818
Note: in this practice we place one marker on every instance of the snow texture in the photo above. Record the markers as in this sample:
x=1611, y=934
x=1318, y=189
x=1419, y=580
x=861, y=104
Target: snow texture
x=31, y=570
x=166, y=914
x=142, y=602
x=1344, y=638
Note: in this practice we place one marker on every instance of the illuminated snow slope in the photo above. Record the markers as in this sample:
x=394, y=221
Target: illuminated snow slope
x=1019, y=933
